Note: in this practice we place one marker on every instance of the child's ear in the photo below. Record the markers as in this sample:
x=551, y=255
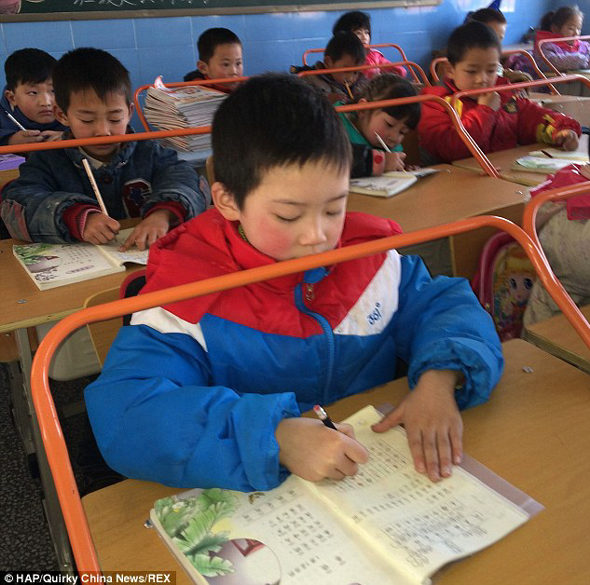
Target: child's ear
x=10, y=97
x=203, y=67
x=328, y=62
x=225, y=202
x=60, y=116
x=449, y=71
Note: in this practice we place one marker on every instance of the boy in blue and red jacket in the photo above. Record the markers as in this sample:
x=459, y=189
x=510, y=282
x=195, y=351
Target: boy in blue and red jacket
x=53, y=201
x=495, y=120
x=208, y=391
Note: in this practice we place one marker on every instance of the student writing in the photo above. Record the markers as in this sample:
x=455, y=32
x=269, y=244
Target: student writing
x=496, y=121
x=53, y=200
x=365, y=128
x=27, y=104
x=208, y=392
x=343, y=50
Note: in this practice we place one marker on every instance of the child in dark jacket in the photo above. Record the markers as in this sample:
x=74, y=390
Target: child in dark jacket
x=343, y=50
x=27, y=105
x=495, y=120
x=220, y=57
x=53, y=201
x=370, y=130
x=208, y=392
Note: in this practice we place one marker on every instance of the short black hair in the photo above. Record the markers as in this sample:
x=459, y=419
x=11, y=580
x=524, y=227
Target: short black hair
x=472, y=35
x=28, y=66
x=274, y=120
x=389, y=86
x=559, y=17
x=345, y=43
x=212, y=38
x=351, y=21
x=87, y=68
x=487, y=15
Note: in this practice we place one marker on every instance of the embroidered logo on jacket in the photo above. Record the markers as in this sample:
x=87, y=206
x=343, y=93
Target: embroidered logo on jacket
x=134, y=194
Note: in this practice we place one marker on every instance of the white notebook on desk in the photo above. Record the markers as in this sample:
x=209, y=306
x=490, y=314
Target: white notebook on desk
x=387, y=525
x=388, y=184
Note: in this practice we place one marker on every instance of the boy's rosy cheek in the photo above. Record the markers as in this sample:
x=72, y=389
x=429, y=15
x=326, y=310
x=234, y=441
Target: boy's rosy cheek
x=275, y=239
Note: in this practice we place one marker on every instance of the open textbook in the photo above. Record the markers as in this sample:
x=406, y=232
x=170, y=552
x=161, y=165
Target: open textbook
x=387, y=525
x=541, y=164
x=52, y=265
x=387, y=184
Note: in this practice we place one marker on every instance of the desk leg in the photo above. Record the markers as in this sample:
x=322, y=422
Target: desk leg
x=32, y=435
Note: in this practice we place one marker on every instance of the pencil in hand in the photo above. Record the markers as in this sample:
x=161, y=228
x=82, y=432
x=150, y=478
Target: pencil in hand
x=382, y=142
x=97, y=194
x=323, y=416
x=348, y=90
x=15, y=121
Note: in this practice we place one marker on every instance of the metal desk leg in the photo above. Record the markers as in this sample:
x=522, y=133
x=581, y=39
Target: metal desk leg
x=32, y=434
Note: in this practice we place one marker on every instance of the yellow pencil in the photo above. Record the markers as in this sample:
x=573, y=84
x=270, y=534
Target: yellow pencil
x=97, y=194
x=348, y=90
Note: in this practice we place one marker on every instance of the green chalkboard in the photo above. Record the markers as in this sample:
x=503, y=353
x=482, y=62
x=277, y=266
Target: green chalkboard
x=17, y=10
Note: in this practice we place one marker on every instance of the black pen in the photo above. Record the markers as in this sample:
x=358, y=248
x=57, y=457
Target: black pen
x=323, y=416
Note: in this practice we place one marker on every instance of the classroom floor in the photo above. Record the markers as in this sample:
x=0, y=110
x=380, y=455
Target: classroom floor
x=25, y=542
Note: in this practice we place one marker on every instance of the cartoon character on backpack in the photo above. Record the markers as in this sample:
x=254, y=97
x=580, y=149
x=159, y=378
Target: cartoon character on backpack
x=512, y=288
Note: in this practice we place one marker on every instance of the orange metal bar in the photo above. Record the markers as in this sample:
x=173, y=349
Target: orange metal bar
x=532, y=207
x=539, y=45
x=141, y=88
x=475, y=150
x=435, y=62
x=53, y=439
x=372, y=46
x=410, y=64
x=533, y=63
x=520, y=85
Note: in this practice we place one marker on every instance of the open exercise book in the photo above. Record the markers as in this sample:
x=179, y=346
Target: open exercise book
x=52, y=265
x=388, y=184
x=388, y=525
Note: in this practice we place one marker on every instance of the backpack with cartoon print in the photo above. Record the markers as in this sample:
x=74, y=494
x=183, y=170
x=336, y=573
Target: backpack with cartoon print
x=503, y=283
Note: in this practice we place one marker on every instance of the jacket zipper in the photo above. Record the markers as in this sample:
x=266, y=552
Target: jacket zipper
x=306, y=289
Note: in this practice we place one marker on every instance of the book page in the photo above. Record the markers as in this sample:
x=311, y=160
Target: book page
x=420, y=525
x=540, y=164
x=385, y=185
x=133, y=255
x=52, y=265
x=281, y=536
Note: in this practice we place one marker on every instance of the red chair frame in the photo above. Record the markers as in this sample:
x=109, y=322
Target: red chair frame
x=57, y=453
x=539, y=45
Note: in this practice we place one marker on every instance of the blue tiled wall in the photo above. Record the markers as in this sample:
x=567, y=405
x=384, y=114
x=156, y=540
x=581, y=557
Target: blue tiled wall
x=153, y=46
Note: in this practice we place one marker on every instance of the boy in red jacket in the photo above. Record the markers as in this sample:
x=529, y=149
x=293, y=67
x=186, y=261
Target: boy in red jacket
x=495, y=120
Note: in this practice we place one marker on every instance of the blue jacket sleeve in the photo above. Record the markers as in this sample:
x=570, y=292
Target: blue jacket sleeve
x=175, y=180
x=33, y=205
x=157, y=417
x=441, y=325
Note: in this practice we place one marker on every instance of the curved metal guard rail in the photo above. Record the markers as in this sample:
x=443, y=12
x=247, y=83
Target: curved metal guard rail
x=532, y=207
x=436, y=62
x=53, y=439
x=371, y=46
x=141, y=88
x=409, y=64
x=520, y=85
x=474, y=149
x=539, y=45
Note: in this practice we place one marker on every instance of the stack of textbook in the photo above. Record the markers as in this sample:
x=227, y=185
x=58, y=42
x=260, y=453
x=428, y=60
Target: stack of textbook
x=182, y=107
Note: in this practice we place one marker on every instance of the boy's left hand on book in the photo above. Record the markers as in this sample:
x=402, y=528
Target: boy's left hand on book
x=152, y=227
x=567, y=139
x=433, y=423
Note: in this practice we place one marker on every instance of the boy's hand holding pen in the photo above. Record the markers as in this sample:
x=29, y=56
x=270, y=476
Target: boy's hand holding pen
x=314, y=451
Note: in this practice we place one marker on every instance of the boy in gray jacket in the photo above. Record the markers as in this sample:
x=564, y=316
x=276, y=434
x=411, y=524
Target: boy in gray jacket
x=53, y=201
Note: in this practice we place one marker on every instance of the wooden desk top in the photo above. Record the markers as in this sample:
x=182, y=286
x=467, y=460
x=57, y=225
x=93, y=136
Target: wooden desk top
x=533, y=432
x=503, y=160
x=559, y=338
x=449, y=195
x=24, y=305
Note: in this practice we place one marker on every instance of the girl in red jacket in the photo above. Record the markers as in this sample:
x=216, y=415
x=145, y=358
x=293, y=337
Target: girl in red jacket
x=495, y=120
